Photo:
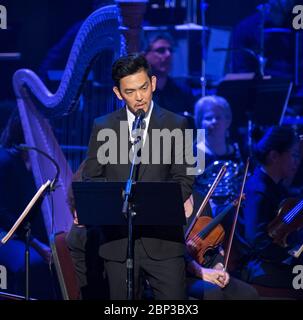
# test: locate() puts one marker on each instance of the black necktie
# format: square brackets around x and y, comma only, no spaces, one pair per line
[142,125]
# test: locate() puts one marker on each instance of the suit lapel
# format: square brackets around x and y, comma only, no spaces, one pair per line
[122,116]
[155,122]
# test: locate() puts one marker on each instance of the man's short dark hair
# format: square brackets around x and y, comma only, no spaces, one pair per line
[128,65]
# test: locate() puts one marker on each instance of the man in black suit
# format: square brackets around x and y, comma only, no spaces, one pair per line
[159,251]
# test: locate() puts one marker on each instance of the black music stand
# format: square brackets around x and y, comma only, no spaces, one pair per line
[46,187]
[149,204]
[155,203]
[255,103]
[265,99]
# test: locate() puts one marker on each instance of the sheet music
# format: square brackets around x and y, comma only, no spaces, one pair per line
[26,211]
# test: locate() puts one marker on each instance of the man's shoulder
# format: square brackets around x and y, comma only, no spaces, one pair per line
[109,118]
[171,116]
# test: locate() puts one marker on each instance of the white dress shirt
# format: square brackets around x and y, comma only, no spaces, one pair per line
[131,118]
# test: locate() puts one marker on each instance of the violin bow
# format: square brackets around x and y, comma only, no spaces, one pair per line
[230,240]
[207,197]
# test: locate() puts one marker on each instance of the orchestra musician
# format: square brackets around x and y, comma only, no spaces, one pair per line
[214,115]
[174,94]
[264,261]
[207,277]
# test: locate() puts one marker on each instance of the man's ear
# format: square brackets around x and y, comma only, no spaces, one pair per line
[154,83]
[117,93]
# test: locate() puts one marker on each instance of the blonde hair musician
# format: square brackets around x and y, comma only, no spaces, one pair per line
[213,113]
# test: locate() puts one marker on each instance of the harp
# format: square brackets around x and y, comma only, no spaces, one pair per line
[98,40]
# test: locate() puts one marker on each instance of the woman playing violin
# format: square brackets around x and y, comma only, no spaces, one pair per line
[265,262]
[208,280]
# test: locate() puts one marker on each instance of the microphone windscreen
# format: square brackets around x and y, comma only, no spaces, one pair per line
[140,113]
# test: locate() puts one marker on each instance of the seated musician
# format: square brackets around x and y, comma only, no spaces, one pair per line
[213,113]
[265,262]
[209,280]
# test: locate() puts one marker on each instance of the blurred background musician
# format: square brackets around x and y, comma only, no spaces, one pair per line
[214,115]
[175,95]
[263,261]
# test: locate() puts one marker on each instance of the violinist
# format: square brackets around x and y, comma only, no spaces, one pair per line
[209,280]
[264,261]
[214,115]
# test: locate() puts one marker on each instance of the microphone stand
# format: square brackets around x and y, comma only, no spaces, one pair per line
[27,258]
[49,186]
[129,213]
[203,50]
[263,8]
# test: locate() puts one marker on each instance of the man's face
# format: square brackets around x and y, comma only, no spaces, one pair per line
[160,56]
[136,90]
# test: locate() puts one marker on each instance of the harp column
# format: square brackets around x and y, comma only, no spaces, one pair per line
[131,18]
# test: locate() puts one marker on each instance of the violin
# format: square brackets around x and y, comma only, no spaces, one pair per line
[207,234]
[288,220]
[201,236]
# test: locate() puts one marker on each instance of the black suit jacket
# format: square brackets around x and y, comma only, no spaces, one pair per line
[159,242]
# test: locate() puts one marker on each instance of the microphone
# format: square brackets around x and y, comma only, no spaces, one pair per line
[24,147]
[139,116]
[138,124]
